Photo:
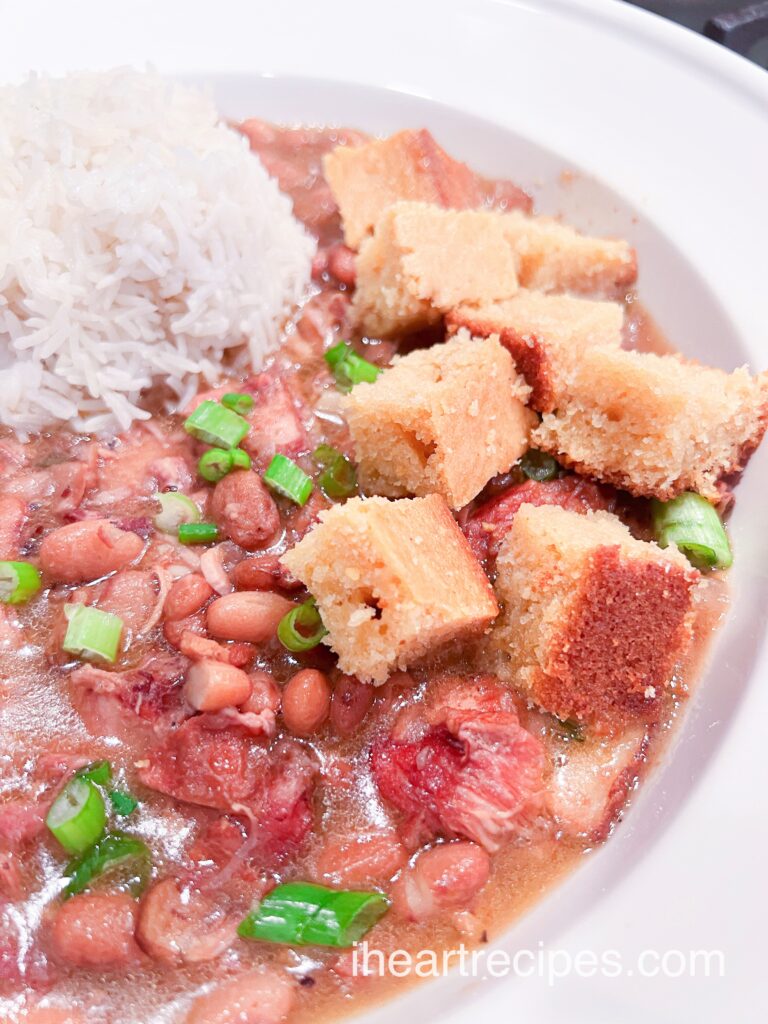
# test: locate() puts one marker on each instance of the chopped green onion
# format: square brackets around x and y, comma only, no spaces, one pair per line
[301,914]
[571,729]
[539,466]
[18,582]
[339,477]
[215,464]
[348,367]
[77,816]
[123,803]
[115,850]
[213,424]
[690,522]
[301,628]
[284,477]
[240,459]
[198,533]
[238,402]
[99,772]
[92,633]
[175,509]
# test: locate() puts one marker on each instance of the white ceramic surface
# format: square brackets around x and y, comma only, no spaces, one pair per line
[668,135]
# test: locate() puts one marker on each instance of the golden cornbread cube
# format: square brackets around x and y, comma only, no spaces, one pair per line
[423,260]
[393,580]
[410,165]
[655,425]
[443,419]
[553,257]
[594,621]
[545,334]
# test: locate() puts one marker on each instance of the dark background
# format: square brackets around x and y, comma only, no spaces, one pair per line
[695,13]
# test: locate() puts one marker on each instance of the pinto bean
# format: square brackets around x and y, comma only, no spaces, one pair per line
[251,616]
[350,703]
[306,701]
[213,685]
[95,930]
[85,551]
[342,263]
[447,877]
[263,572]
[244,509]
[180,925]
[261,997]
[186,596]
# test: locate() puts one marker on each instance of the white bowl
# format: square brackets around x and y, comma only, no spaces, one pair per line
[667,134]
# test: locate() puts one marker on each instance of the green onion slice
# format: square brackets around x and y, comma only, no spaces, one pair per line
[286,478]
[99,772]
[348,367]
[240,459]
[301,628]
[198,533]
[18,582]
[238,402]
[215,464]
[123,803]
[175,509]
[539,466]
[115,851]
[691,523]
[302,914]
[92,633]
[213,424]
[77,816]
[339,477]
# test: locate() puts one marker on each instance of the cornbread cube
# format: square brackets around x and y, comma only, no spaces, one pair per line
[594,620]
[544,333]
[443,419]
[554,257]
[655,425]
[423,261]
[392,580]
[410,165]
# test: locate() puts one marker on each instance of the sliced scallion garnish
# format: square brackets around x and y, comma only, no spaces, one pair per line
[116,850]
[240,459]
[693,525]
[302,914]
[339,477]
[99,772]
[301,628]
[18,582]
[198,533]
[91,633]
[238,402]
[348,367]
[213,424]
[539,466]
[123,803]
[215,464]
[77,816]
[286,478]
[175,509]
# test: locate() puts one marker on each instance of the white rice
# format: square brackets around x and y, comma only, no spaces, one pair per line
[139,240]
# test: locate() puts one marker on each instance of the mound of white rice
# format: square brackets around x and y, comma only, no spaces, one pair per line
[139,239]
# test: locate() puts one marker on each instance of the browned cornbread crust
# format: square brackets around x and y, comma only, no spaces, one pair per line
[366,179]
[594,621]
[440,420]
[392,581]
[655,425]
[544,334]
